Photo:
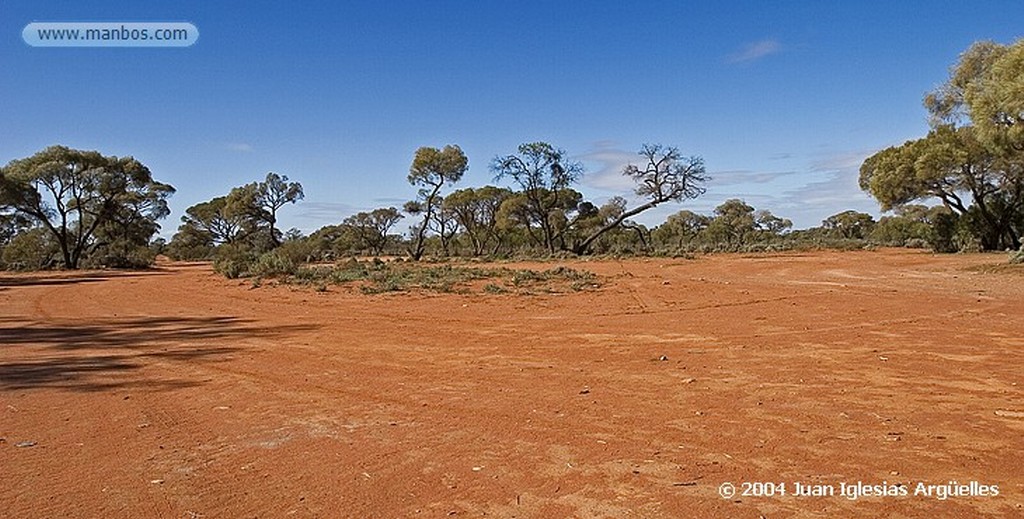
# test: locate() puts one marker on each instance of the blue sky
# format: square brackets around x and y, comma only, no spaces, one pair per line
[782,99]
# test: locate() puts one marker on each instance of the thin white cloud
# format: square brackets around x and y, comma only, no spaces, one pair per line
[755,51]
[742,177]
[242,147]
[324,213]
[611,162]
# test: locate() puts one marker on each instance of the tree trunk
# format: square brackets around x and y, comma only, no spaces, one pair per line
[585,244]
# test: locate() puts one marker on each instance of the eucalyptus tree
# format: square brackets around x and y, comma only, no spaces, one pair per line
[432,169]
[83,198]
[665,175]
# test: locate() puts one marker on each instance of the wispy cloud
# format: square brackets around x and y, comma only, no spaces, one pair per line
[611,161]
[324,212]
[755,51]
[742,177]
[242,147]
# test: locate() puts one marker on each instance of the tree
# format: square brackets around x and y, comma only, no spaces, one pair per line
[680,228]
[769,224]
[973,158]
[733,223]
[371,228]
[849,224]
[431,170]
[543,175]
[477,212]
[271,195]
[220,220]
[73,194]
[985,87]
[952,165]
[667,176]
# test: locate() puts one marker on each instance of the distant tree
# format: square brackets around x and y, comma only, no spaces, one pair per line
[849,225]
[332,241]
[666,176]
[371,228]
[769,224]
[477,212]
[271,195]
[681,228]
[734,222]
[431,170]
[220,220]
[544,175]
[78,196]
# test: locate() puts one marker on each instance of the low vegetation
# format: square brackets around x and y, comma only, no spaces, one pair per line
[378,276]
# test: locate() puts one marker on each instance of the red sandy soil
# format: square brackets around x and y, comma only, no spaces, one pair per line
[177,393]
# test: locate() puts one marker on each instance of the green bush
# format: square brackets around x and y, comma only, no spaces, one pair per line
[233,261]
[273,263]
[121,254]
[33,249]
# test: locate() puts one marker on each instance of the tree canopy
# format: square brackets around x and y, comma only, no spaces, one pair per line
[87,202]
[973,158]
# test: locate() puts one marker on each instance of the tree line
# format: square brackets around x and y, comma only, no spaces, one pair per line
[71,208]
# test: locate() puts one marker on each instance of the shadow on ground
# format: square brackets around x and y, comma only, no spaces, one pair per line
[71,277]
[110,354]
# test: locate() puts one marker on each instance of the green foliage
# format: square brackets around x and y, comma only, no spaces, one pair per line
[973,157]
[477,211]
[849,225]
[370,229]
[544,175]
[190,244]
[431,170]
[32,249]
[272,264]
[120,254]
[85,200]
[375,277]
[234,261]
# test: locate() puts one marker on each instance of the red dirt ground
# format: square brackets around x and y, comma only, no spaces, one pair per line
[177,393]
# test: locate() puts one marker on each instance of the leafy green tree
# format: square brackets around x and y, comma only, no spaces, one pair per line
[545,202]
[985,87]
[733,223]
[82,196]
[476,211]
[217,221]
[849,225]
[680,228]
[271,195]
[371,228]
[952,165]
[770,225]
[333,241]
[667,176]
[432,169]
[258,203]
[973,159]
[30,249]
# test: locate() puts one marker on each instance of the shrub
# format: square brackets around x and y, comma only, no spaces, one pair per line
[1017,257]
[233,261]
[121,254]
[33,249]
[273,263]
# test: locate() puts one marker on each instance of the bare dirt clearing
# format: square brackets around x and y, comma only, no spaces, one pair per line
[177,393]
